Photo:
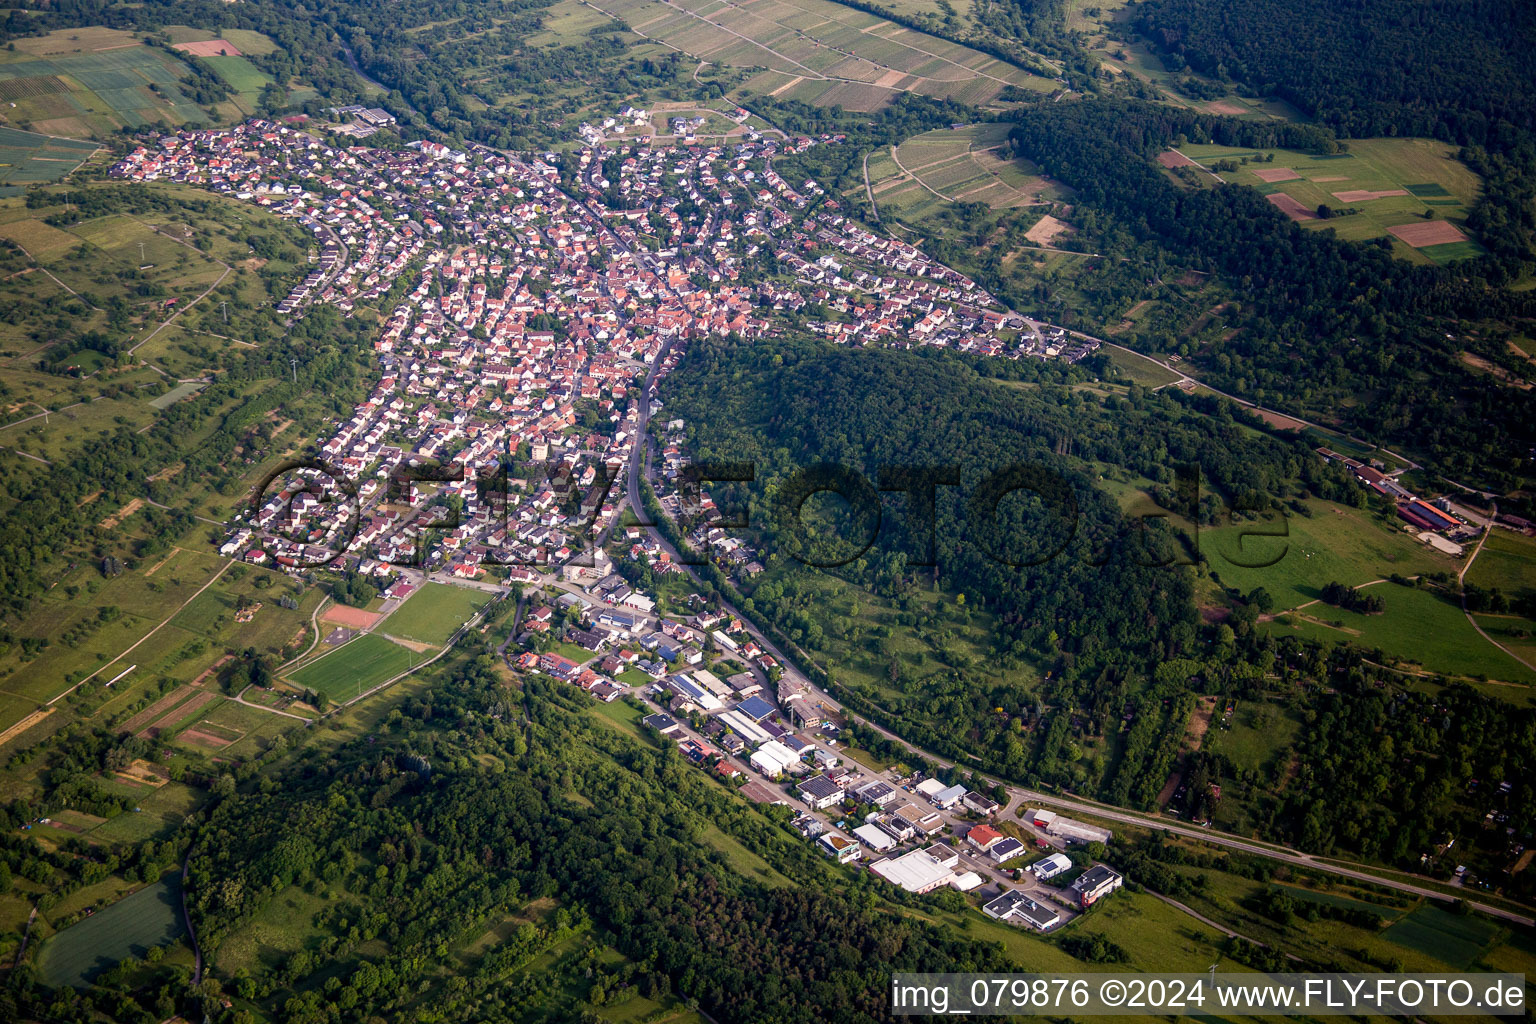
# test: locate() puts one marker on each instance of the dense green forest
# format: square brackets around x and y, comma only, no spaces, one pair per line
[1097,646]
[1075,587]
[1453,69]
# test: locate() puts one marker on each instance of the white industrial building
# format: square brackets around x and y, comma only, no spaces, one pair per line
[774,759]
[874,837]
[744,727]
[921,870]
[1055,825]
[1014,904]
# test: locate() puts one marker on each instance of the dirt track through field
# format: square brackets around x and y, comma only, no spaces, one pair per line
[23,725]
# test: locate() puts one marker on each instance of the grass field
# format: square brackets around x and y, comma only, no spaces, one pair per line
[277,931]
[431,615]
[356,667]
[150,917]
[244,78]
[820,52]
[1459,941]
[1424,170]
[1139,369]
[1424,627]
[1507,561]
[1336,544]
[1256,731]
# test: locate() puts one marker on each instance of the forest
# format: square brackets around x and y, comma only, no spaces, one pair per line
[1107,620]
[1075,587]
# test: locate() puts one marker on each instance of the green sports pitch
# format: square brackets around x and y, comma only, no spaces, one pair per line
[433,613]
[356,667]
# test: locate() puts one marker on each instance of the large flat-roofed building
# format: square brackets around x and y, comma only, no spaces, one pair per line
[774,759]
[876,792]
[818,791]
[1094,884]
[918,871]
[874,837]
[1006,849]
[1054,824]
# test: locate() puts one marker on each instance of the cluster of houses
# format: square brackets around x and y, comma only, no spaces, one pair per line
[513,322]
[694,510]
[885,292]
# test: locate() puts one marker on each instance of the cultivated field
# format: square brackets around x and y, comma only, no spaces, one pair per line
[431,615]
[971,165]
[27,158]
[355,667]
[820,52]
[245,79]
[129,927]
[83,82]
[1391,182]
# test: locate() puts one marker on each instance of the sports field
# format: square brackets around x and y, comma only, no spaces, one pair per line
[129,927]
[820,52]
[968,164]
[356,667]
[1391,182]
[27,158]
[92,82]
[431,615]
